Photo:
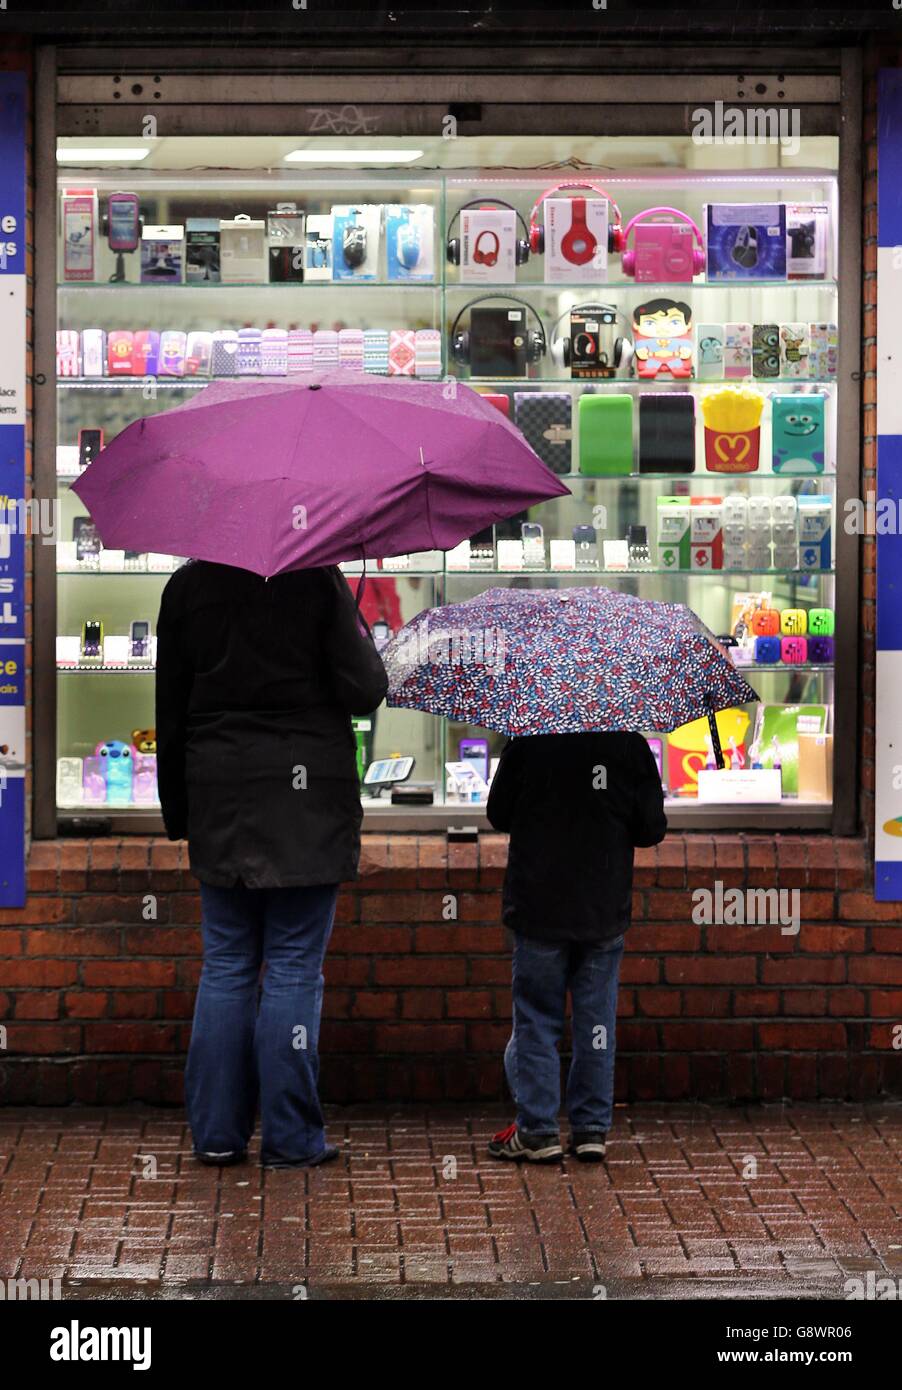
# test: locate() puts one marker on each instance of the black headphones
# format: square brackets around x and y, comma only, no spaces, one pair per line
[459,339]
[521,254]
[561,346]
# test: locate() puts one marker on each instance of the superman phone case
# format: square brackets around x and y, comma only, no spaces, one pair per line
[605,435]
[666,433]
[546,421]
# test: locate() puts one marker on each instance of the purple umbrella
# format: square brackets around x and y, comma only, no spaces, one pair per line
[278,475]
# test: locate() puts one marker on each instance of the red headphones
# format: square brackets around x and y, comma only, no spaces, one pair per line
[489,257]
[521,246]
[578,244]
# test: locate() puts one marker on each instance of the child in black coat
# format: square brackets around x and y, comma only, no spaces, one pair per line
[576,807]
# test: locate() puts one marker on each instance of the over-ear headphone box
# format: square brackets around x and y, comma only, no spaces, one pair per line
[576,240]
[746,241]
[488,246]
[595,347]
[498,340]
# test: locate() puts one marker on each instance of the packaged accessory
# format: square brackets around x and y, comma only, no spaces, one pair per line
[666,433]
[318,250]
[820,651]
[605,435]
[287,240]
[355,241]
[737,351]
[815,532]
[242,251]
[821,622]
[499,341]
[488,247]
[663,252]
[662,340]
[202,251]
[709,351]
[807,240]
[732,416]
[410,241]
[793,650]
[765,351]
[746,241]
[593,349]
[614,221]
[546,420]
[767,650]
[162,250]
[673,533]
[798,434]
[79,220]
[793,622]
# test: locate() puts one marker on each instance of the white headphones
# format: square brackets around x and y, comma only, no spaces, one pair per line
[561,346]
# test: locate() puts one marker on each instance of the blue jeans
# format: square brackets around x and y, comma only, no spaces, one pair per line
[543,971]
[240,1054]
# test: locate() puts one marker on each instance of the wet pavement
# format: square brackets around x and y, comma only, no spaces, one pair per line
[693,1201]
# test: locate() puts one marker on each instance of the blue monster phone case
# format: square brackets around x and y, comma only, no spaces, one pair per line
[798,434]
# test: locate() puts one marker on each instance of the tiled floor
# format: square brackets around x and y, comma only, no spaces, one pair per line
[768,1201]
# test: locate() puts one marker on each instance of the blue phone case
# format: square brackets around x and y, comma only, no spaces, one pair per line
[798,432]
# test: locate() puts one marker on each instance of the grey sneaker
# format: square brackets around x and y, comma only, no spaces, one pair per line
[534,1148]
[226,1159]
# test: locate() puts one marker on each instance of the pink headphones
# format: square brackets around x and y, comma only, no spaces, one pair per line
[697,254]
[579,228]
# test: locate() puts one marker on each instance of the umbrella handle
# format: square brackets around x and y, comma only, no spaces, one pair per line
[715,740]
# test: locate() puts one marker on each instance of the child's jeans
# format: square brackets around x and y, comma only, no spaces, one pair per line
[543,971]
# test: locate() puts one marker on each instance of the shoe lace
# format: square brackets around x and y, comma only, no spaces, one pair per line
[504,1134]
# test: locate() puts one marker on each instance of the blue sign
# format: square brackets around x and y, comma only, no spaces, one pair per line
[13,510]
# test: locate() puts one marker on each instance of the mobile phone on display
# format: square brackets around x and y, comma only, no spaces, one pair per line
[585,541]
[533,543]
[123,222]
[482,546]
[90,443]
[475,751]
[92,639]
[388,770]
[139,640]
[637,547]
[381,633]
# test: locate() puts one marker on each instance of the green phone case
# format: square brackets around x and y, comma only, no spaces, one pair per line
[605,435]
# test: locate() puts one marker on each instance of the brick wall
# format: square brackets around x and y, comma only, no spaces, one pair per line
[97,1001]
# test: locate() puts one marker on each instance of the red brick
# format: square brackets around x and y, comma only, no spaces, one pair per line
[136,1003]
[37,912]
[792,1036]
[130,1037]
[875,970]
[162,941]
[38,1004]
[128,972]
[11,943]
[375,1004]
[755,1002]
[862,907]
[707,970]
[805,970]
[39,973]
[422,1003]
[421,970]
[469,1003]
[73,941]
[85,1004]
[414,1037]
[708,1037]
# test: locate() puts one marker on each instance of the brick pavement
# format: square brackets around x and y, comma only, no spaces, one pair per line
[762,1201]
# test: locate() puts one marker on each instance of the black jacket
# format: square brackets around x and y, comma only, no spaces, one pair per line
[256,763]
[576,806]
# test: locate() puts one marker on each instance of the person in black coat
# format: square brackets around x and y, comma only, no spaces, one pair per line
[576,807]
[256,764]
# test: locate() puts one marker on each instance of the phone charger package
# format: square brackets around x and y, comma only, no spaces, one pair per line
[807,240]
[242,251]
[202,251]
[286,238]
[576,240]
[488,244]
[355,241]
[746,241]
[410,242]
[162,250]
[79,226]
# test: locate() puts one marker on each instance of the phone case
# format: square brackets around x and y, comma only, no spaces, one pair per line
[69,774]
[428,352]
[546,420]
[666,433]
[225,352]
[350,349]
[93,780]
[605,435]
[300,351]
[375,350]
[402,352]
[499,401]
[709,352]
[765,351]
[173,345]
[274,352]
[325,349]
[794,348]
[92,351]
[250,351]
[198,354]
[144,777]
[146,352]
[737,351]
[120,344]
[68,352]
[798,434]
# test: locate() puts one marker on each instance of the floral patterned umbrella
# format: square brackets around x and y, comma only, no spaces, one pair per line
[556,661]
